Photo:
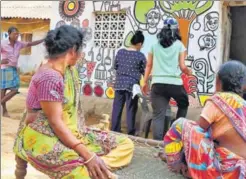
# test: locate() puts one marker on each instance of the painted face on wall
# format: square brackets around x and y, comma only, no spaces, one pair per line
[206,42]
[209,41]
[213,23]
[153,18]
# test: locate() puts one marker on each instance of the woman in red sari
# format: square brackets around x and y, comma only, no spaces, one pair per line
[214,146]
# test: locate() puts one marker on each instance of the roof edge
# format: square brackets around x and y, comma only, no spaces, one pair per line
[6,17]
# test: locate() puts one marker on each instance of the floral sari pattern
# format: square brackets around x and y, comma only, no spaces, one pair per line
[38,144]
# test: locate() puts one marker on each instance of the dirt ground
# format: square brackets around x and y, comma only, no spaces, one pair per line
[9,128]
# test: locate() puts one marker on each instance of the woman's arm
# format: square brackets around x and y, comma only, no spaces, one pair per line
[148,68]
[95,165]
[203,123]
[182,65]
[53,111]
[210,114]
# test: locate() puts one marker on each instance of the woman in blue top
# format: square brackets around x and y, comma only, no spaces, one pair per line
[166,61]
[129,65]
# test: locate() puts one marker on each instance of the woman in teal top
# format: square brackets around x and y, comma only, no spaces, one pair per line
[166,62]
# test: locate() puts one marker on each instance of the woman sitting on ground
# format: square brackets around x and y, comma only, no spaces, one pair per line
[52,138]
[215,145]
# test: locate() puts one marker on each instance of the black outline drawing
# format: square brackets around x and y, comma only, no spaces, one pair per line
[107,5]
[201,67]
[213,18]
[153,18]
[196,23]
[90,53]
[112,71]
[101,70]
[210,46]
[108,59]
[99,55]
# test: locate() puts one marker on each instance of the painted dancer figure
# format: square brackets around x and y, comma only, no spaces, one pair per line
[214,146]
[10,52]
[129,65]
[166,60]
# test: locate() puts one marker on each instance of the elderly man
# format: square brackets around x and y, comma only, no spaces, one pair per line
[10,52]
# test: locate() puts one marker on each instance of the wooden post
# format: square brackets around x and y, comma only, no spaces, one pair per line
[21,168]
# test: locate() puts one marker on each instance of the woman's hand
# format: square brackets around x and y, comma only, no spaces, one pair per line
[4,61]
[145,89]
[180,168]
[97,169]
[188,71]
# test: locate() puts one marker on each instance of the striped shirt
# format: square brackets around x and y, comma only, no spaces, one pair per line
[46,85]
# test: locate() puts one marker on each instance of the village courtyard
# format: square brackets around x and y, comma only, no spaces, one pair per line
[211,32]
[9,127]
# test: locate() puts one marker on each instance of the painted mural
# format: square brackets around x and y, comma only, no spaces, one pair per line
[109,25]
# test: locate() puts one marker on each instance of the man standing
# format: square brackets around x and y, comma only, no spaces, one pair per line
[10,52]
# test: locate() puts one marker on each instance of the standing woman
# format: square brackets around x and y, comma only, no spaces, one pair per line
[129,65]
[166,61]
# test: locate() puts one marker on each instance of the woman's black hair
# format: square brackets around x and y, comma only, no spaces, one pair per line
[60,40]
[231,74]
[168,36]
[138,37]
[12,29]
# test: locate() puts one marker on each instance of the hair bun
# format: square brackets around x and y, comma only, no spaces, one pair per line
[61,39]
[50,38]
[138,32]
[138,37]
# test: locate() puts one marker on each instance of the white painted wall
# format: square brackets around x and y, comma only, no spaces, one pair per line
[203,42]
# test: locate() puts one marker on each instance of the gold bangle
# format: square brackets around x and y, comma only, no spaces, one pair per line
[75,145]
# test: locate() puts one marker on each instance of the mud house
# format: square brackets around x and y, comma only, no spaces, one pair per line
[212,31]
[32,18]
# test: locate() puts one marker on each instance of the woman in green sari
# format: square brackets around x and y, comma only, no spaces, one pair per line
[51,137]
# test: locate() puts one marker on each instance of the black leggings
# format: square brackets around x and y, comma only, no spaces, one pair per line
[160,97]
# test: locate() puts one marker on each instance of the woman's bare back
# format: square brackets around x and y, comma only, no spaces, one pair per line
[233,142]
